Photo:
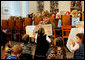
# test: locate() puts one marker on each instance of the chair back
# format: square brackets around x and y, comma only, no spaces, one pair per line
[37,20]
[82,16]
[18,24]
[4,24]
[66,20]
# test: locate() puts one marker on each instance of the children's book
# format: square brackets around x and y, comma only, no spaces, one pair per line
[75,20]
[72,35]
[30,30]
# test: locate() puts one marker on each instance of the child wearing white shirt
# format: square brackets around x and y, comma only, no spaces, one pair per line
[78,47]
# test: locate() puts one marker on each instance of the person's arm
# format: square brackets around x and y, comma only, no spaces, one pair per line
[48,39]
[41,22]
[36,38]
[75,47]
[51,55]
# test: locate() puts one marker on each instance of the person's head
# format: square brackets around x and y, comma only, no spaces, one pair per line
[58,41]
[25,38]
[46,17]
[16,50]
[41,31]
[56,10]
[4,40]
[80,38]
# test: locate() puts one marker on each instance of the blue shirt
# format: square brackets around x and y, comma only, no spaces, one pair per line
[11,57]
[79,54]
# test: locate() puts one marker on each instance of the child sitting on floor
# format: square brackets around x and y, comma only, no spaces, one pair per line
[26,46]
[78,47]
[15,53]
[58,51]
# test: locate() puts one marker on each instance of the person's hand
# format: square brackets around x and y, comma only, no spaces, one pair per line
[40,25]
[34,35]
[72,42]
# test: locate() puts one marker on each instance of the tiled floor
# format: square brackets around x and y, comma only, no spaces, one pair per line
[68,54]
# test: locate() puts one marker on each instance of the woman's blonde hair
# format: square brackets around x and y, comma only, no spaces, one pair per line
[46,14]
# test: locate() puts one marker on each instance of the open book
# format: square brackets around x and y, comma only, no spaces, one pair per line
[72,35]
[31,30]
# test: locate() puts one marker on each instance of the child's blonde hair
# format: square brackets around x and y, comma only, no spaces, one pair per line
[46,14]
[16,49]
[41,31]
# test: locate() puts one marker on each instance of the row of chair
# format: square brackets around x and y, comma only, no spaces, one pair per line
[19,25]
[64,30]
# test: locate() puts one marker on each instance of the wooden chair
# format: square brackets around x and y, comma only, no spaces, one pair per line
[37,20]
[27,21]
[11,27]
[66,26]
[57,30]
[65,31]
[52,19]
[18,28]
[82,16]
[4,24]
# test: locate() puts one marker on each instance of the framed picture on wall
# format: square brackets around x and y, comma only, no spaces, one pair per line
[5,10]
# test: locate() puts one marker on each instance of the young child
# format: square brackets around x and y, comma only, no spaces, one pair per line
[26,46]
[58,51]
[79,47]
[16,52]
[42,41]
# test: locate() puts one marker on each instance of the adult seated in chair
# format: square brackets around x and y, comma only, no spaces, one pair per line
[46,20]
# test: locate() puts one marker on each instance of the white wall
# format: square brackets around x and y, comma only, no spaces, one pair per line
[47,5]
[16,8]
[32,7]
[13,6]
[24,8]
[82,5]
[64,5]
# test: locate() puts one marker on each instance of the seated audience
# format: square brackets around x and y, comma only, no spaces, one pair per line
[16,52]
[58,50]
[78,47]
[42,41]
